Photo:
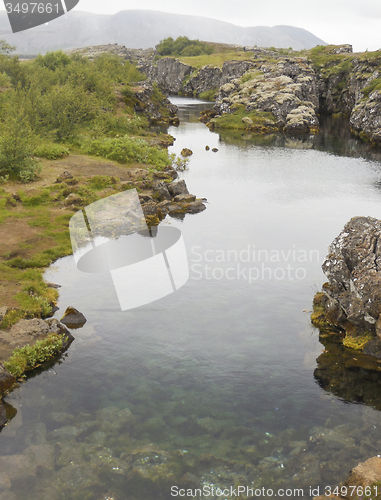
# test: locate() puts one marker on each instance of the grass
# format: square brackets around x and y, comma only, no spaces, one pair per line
[233,121]
[30,357]
[217,59]
[41,231]
[208,95]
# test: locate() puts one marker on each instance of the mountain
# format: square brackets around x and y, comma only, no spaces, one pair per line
[143,29]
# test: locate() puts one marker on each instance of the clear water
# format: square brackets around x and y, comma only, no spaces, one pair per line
[219,376]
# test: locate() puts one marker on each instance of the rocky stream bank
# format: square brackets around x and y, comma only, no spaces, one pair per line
[276,91]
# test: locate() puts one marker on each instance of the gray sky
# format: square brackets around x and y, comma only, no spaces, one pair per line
[334,21]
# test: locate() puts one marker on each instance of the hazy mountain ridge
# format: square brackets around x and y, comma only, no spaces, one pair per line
[143,29]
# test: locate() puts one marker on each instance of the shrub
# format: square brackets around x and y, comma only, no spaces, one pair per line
[50,150]
[127,150]
[183,46]
[29,357]
[16,147]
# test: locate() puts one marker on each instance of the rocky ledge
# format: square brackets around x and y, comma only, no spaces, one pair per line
[28,332]
[349,306]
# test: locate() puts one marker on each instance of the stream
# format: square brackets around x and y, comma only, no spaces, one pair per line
[213,385]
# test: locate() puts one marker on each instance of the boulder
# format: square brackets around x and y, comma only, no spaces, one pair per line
[73,318]
[195,207]
[177,188]
[364,474]
[6,379]
[161,191]
[186,152]
[184,198]
[353,269]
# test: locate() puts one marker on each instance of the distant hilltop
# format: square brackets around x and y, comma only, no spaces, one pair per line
[144,29]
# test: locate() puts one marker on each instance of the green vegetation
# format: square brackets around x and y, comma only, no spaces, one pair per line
[182,46]
[217,59]
[56,99]
[30,357]
[50,108]
[208,95]
[126,150]
[260,120]
[358,342]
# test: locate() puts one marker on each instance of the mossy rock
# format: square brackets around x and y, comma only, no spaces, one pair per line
[358,343]
[73,318]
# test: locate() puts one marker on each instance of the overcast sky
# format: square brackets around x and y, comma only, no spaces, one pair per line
[334,21]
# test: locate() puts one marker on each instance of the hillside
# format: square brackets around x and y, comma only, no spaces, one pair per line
[143,29]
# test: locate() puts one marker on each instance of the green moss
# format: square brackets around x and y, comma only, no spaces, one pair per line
[208,95]
[30,357]
[318,316]
[358,342]
[261,120]
[374,85]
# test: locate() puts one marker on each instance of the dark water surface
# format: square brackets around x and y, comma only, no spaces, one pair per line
[219,376]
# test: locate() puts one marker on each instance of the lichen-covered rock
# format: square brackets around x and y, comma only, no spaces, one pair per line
[351,299]
[365,118]
[286,90]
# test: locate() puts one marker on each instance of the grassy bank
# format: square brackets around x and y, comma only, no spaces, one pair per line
[64,113]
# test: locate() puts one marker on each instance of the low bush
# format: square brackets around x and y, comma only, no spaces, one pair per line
[29,357]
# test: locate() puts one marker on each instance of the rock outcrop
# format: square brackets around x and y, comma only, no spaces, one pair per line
[350,302]
[145,100]
[174,199]
[169,74]
[362,481]
[29,331]
[286,89]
